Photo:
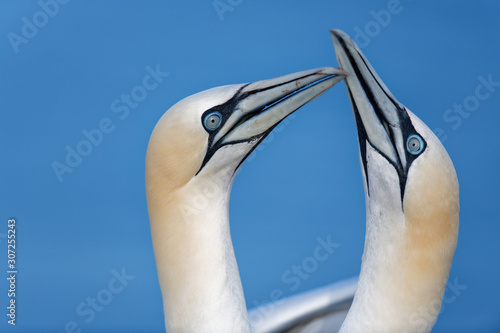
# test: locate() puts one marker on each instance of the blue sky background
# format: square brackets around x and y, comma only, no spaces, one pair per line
[304,182]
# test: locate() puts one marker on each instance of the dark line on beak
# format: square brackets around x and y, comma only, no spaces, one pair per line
[212,148]
[398,165]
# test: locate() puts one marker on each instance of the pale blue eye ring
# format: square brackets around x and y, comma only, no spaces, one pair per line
[414,144]
[212,121]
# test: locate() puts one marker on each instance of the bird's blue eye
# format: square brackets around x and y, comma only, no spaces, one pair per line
[414,144]
[212,121]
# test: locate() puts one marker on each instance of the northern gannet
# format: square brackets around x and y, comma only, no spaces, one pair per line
[412,213]
[412,207]
[193,155]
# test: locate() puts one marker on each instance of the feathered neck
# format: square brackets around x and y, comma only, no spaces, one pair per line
[197,269]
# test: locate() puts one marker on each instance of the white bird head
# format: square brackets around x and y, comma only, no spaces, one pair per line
[412,201]
[215,130]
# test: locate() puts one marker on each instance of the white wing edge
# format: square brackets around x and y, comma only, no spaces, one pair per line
[294,310]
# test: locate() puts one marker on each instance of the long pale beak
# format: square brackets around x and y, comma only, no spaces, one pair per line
[264,104]
[258,107]
[382,121]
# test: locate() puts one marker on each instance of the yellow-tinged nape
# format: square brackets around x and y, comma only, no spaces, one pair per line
[178,146]
[431,201]
[178,143]
[174,153]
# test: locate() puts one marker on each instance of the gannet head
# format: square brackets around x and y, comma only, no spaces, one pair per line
[411,193]
[215,130]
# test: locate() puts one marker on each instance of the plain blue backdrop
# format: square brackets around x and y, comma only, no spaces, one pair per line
[65,69]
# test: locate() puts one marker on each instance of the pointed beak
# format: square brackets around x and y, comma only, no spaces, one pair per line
[380,117]
[257,108]
[382,121]
[262,105]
